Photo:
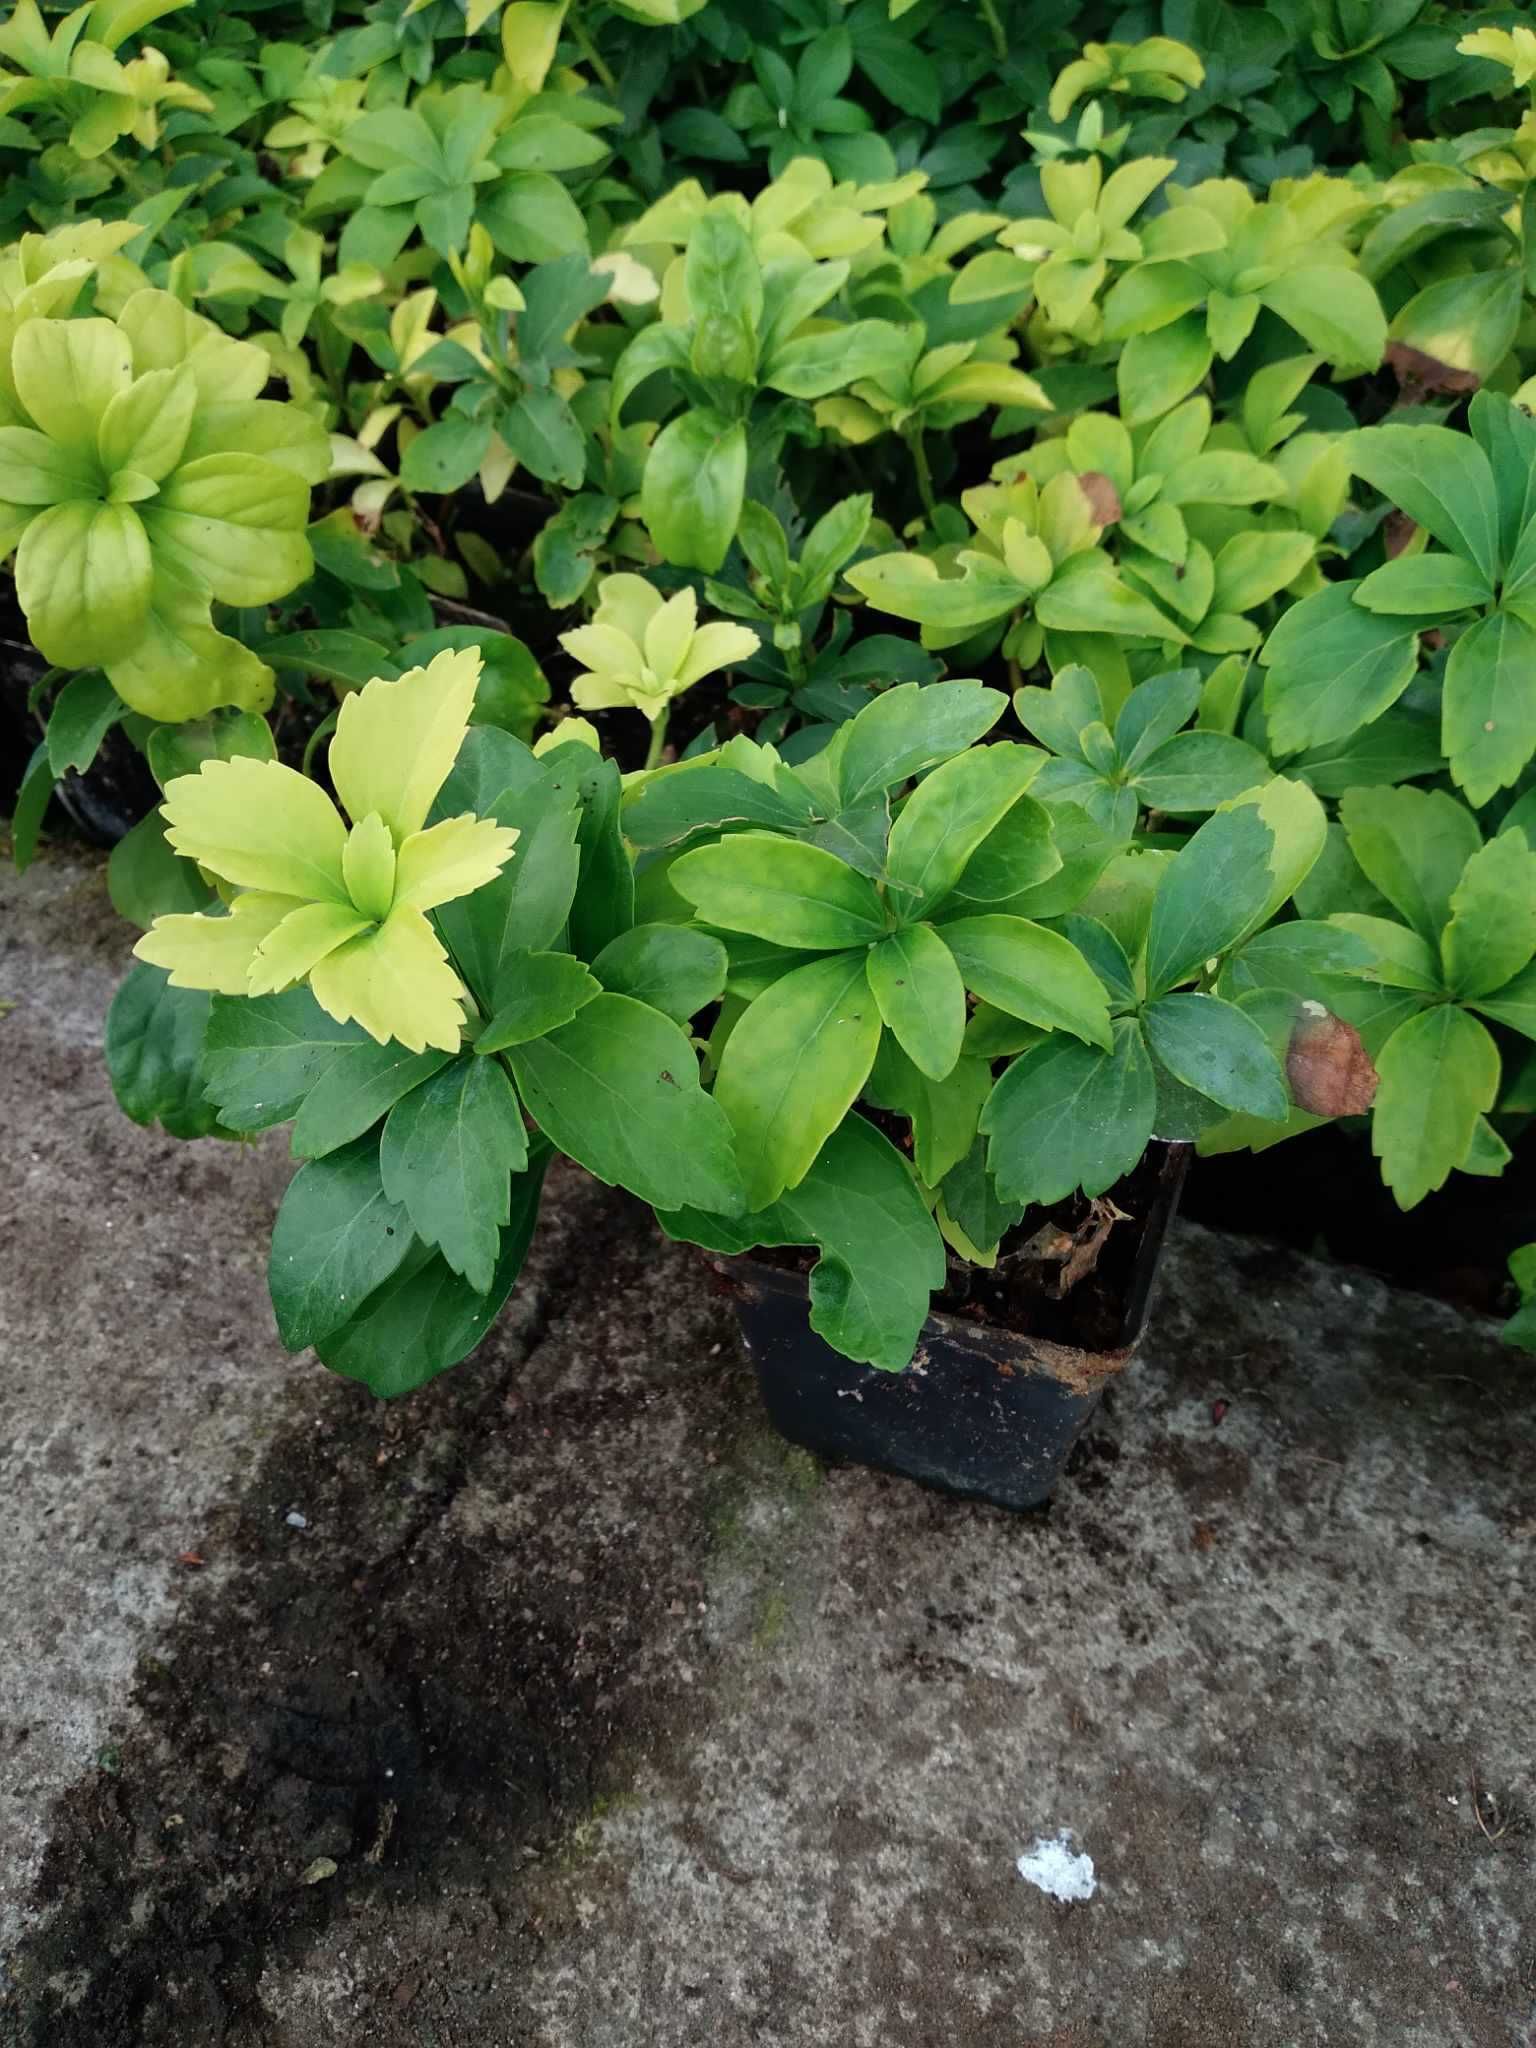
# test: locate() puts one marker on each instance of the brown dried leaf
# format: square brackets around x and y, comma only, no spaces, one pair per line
[1103,498]
[1418,371]
[1327,1065]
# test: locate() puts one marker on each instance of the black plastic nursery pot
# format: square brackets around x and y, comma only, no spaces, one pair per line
[1003,1381]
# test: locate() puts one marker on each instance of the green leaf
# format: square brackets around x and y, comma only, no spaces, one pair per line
[1253,567]
[604,904]
[1031,973]
[327,653]
[173,750]
[1467,322]
[617,1089]
[1395,956]
[525,909]
[948,816]
[667,808]
[555,297]
[445,456]
[1152,714]
[1105,955]
[447,1156]
[905,731]
[969,1203]
[425,1318]
[1440,479]
[32,801]
[815,365]
[1488,724]
[1196,771]
[1018,853]
[921,997]
[146,879]
[1425,586]
[270,1058]
[792,1068]
[1412,844]
[881,1254]
[721,272]
[1333,667]
[355,1087]
[84,712]
[531,217]
[540,992]
[1439,1073]
[830,545]
[942,1114]
[1335,311]
[691,494]
[1214,888]
[1218,1050]
[337,1237]
[1156,370]
[1396,748]
[1068,1116]
[1514,1004]
[544,434]
[674,968]
[154,1050]
[782,890]
[1492,932]
[1506,433]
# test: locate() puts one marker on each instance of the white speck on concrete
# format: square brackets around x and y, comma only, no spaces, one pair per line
[1054,1867]
[295,1520]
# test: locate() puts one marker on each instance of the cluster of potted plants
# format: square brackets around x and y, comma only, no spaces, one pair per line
[871,624]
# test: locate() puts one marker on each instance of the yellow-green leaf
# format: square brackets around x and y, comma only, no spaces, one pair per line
[397,739]
[260,825]
[396,982]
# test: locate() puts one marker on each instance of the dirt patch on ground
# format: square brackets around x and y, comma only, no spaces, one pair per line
[381,1700]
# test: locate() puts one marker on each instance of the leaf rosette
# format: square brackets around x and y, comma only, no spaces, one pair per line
[141,479]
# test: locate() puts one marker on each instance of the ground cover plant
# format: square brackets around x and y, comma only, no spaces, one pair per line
[842,615]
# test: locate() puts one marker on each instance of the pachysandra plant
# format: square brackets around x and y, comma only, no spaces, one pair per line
[341,910]
[1456,956]
[749,329]
[642,651]
[1036,552]
[141,477]
[1221,259]
[1340,659]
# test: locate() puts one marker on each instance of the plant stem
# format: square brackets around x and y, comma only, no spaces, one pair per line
[658,737]
[322,731]
[589,50]
[994,22]
[914,440]
[130,177]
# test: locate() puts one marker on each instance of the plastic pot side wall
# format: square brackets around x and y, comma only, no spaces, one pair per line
[983,1412]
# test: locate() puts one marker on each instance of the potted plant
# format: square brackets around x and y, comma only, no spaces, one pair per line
[885,1017]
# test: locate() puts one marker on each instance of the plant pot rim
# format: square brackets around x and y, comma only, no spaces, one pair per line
[1009,1351]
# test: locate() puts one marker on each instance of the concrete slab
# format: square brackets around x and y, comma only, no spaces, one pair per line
[580,1712]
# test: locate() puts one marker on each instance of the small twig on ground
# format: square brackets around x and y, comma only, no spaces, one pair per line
[1477,1808]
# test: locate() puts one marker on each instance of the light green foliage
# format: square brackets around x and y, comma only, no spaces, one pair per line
[141,476]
